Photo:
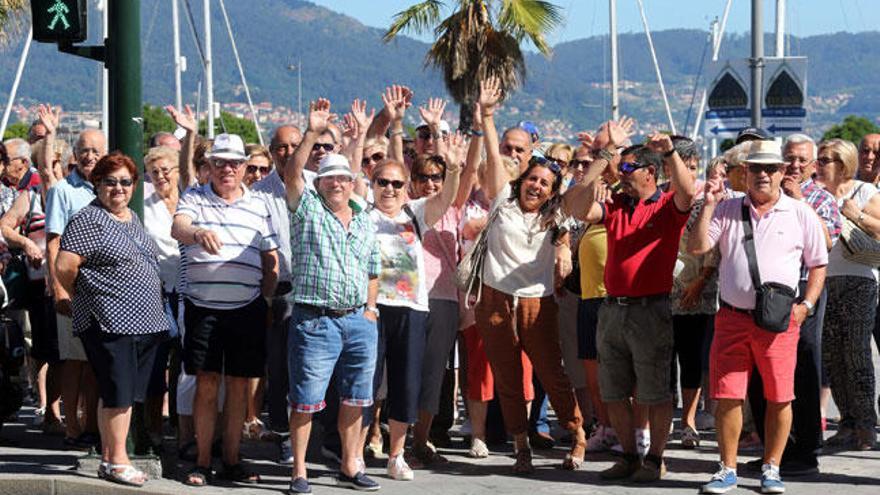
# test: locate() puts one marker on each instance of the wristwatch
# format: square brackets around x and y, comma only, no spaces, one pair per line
[810,308]
[373,309]
[606,155]
[669,153]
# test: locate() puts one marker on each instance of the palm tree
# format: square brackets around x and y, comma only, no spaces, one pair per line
[481,38]
[11,18]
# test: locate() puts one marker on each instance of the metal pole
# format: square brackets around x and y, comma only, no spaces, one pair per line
[209,71]
[757,60]
[247,91]
[717,36]
[780,28]
[124,64]
[657,68]
[16,81]
[612,19]
[175,22]
[105,76]
[299,87]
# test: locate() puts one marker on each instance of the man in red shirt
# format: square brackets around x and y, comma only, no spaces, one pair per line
[634,336]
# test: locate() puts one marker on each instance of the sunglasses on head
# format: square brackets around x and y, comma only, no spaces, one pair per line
[252,169]
[429,177]
[375,157]
[553,165]
[396,184]
[328,147]
[630,167]
[113,182]
[767,168]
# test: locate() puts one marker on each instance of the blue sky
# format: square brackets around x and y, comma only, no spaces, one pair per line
[586,18]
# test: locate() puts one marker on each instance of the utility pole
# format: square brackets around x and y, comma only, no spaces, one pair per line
[175,22]
[21,61]
[780,28]
[612,19]
[757,60]
[105,76]
[209,70]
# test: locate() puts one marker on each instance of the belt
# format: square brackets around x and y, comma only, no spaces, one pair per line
[635,301]
[333,313]
[283,289]
[734,308]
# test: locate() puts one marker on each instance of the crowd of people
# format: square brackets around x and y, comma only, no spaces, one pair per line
[355,275]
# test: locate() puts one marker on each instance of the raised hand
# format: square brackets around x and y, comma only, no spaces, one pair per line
[433,112]
[396,100]
[49,117]
[490,94]
[627,124]
[586,139]
[350,127]
[320,117]
[714,191]
[185,119]
[659,143]
[456,151]
[477,123]
[359,113]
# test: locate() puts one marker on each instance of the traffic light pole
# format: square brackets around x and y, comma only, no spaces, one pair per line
[121,54]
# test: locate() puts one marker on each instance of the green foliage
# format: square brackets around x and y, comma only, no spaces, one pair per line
[16,130]
[852,129]
[245,128]
[726,145]
[156,120]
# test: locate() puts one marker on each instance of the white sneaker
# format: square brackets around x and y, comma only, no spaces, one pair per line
[398,469]
[643,441]
[39,416]
[596,442]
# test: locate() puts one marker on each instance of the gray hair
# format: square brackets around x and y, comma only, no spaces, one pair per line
[795,139]
[734,157]
[162,153]
[21,148]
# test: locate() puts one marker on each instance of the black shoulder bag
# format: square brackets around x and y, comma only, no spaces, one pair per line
[773,301]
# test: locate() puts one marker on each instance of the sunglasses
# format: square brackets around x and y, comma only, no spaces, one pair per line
[429,177]
[396,184]
[375,157]
[252,169]
[767,168]
[328,147]
[553,165]
[113,182]
[562,163]
[425,134]
[221,163]
[579,164]
[630,167]
[825,160]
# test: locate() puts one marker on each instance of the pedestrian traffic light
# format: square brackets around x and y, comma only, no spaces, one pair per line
[59,21]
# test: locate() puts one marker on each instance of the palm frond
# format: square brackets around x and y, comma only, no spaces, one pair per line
[418,19]
[531,19]
[13,19]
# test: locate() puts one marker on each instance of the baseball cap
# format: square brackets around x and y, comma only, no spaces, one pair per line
[531,128]
[227,147]
[444,126]
[752,134]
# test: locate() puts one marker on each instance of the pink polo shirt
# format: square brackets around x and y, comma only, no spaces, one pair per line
[787,235]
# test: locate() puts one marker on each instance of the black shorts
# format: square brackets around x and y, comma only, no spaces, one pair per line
[228,341]
[44,331]
[587,323]
[122,364]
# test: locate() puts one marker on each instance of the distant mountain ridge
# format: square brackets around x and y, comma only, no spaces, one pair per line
[343,59]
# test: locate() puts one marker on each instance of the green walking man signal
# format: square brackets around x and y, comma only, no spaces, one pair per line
[59,21]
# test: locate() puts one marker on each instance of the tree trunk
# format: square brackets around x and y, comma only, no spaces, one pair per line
[466,116]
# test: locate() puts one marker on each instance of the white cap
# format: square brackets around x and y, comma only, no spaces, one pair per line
[334,164]
[444,126]
[227,147]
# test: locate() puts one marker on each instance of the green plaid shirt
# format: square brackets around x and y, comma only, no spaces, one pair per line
[331,266]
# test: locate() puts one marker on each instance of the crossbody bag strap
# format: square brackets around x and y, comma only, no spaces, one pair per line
[23,228]
[749,245]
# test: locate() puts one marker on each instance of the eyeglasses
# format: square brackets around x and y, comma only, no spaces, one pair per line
[396,184]
[579,164]
[551,164]
[252,169]
[113,182]
[429,177]
[796,159]
[328,147]
[825,160]
[375,157]
[221,163]
[767,168]
[627,168]
[156,172]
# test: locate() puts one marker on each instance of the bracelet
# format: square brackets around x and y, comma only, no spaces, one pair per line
[476,133]
[399,132]
[669,153]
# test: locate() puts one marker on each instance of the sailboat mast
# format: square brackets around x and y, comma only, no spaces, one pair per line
[615,97]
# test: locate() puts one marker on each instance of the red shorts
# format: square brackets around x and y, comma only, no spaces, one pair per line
[480,382]
[739,346]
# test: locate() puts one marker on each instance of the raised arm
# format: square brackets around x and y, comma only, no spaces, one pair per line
[320,119]
[699,242]
[432,114]
[580,201]
[187,121]
[470,171]
[396,100]
[496,177]
[437,205]
[50,119]
[682,180]
[356,123]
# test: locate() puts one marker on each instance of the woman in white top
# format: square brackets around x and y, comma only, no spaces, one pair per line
[852,301]
[403,294]
[527,258]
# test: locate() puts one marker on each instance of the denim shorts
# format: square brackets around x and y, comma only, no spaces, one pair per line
[318,345]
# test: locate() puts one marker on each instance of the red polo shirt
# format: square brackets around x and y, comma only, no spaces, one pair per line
[643,240]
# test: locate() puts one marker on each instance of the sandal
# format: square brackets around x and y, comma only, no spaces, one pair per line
[125,474]
[199,476]
[102,469]
[238,474]
[575,457]
[523,464]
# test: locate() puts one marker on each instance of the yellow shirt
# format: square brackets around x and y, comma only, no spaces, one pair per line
[592,252]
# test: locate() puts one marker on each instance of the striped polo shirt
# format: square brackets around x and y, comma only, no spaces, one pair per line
[232,278]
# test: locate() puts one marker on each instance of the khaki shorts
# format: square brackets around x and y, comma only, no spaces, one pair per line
[635,351]
[69,345]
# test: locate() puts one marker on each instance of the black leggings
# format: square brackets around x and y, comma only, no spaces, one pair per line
[689,332]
